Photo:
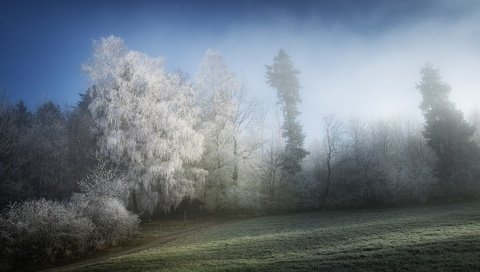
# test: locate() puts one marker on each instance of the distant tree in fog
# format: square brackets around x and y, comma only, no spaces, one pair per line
[227,115]
[448,134]
[282,76]
[216,86]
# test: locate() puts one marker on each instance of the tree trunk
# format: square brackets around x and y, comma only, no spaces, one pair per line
[329,176]
[235,163]
[205,193]
[134,201]
[272,189]
[185,216]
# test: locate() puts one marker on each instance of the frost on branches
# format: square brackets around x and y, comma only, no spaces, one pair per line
[147,119]
[227,116]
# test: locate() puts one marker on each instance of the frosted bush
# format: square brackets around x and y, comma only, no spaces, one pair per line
[104,181]
[113,223]
[101,201]
[42,231]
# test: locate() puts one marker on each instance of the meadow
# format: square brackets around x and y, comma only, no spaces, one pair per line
[425,238]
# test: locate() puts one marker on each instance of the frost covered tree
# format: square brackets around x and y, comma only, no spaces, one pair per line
[147,118]
[215,85]
[282,76]
[227,116]
[448,135]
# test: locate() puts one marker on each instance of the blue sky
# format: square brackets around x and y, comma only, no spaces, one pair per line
[354,56]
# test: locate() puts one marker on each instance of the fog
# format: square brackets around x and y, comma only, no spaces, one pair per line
[350,74]
[366,65]
[355,59]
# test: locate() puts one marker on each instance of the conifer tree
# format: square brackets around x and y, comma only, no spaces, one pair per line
[282,76]
[448,135]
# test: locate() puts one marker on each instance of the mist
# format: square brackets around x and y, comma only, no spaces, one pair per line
[365,63]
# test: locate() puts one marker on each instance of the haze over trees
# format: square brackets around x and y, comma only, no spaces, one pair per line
[145,142]
[228,117]
[449,136]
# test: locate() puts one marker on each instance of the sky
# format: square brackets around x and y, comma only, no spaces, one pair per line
[356,58]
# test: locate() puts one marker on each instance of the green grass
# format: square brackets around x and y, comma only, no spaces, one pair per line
[433,238]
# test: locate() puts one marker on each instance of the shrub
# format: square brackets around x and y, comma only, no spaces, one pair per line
[113,223]
[104,181]
[101,200]
[42,231]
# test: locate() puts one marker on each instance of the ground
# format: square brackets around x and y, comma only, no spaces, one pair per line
[427,238]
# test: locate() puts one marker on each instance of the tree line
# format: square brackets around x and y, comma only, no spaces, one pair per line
[208,142]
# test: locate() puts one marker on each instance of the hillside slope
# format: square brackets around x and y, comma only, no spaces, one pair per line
[404,239]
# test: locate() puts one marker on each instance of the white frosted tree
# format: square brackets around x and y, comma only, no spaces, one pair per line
[147,120]
[214,83]
[227,115]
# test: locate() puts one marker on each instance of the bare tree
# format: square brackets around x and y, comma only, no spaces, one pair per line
[271,166]
[243,119]
[333,130]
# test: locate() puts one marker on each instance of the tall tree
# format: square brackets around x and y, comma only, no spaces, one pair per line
[146,118]
[448,135]
[227,115]
[82,138]
[49,139]
[17,178]
[282,76]
[216,86]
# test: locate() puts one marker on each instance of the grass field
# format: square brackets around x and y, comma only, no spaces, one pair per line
[433,238]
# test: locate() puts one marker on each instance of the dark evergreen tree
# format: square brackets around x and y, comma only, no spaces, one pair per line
[282,76]
[82,138]
[50,149]
[448,135]
[15,122]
